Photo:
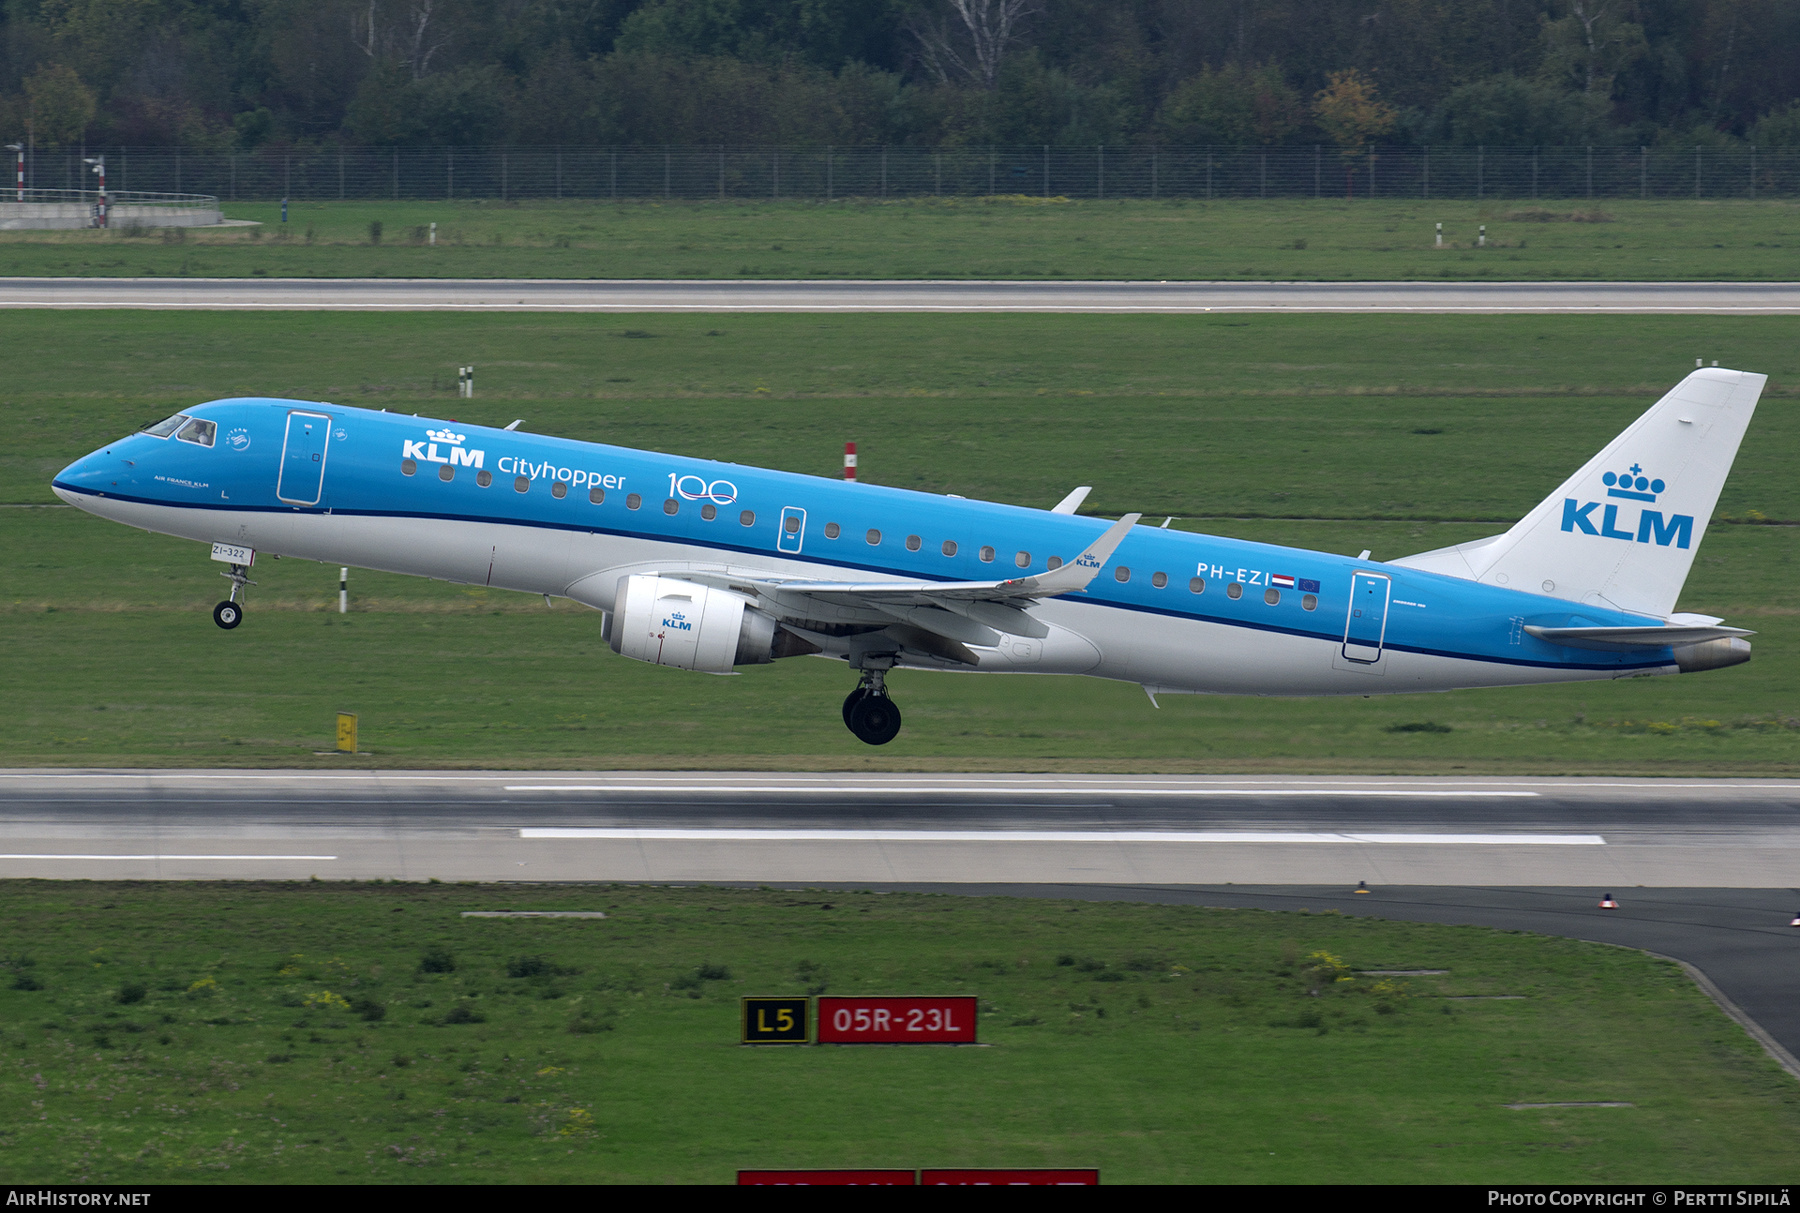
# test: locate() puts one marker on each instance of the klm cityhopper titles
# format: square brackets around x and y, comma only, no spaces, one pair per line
[710,566]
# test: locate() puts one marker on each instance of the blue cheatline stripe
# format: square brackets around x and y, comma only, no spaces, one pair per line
[591,529]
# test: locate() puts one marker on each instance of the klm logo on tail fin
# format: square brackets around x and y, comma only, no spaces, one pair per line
[1652,527]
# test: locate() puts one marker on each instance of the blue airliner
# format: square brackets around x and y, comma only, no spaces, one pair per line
[710,566]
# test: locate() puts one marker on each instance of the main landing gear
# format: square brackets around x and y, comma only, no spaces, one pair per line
[230,613]
[869,713]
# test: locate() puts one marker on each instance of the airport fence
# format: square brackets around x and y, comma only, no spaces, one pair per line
[1096,172]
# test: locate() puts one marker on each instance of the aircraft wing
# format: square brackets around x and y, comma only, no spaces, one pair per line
[938,619]
[1623,639]
[1070,578]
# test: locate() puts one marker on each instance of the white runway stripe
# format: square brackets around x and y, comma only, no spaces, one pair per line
[629,834]
[967,790]
[155,857]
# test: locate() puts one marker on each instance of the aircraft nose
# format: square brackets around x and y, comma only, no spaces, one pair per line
[95,473]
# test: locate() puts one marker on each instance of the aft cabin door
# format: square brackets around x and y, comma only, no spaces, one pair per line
[1366,625]
[303,459]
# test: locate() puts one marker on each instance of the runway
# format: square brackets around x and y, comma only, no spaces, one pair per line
[1703,869]
[564,295]
[788,828]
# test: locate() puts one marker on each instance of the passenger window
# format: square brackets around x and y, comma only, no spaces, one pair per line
[1121,574]
[1271,596]
[1023,560]
[671,505]
[791,524]
[198,432]
[949,547]
[408,467]
[484,478]
[747,518]
[1054,563]
[1309,602]
[1159,580]
[446,472]
[1234,590]
[709,511]
[521,484]
[874,537]
[633,501]
[167,426]
[596,495]
[832,531]
[987,555]
[558,489]
[912,543]
[1197,585]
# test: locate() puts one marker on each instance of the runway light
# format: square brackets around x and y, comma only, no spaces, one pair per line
[1607,903]
[1362,886]
[1796,922]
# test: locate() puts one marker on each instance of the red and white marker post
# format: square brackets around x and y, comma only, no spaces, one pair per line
[850,461]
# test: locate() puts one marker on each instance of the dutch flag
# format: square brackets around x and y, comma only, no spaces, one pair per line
[1282,580]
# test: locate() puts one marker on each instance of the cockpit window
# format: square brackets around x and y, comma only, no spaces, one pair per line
[198,431]
[163,429]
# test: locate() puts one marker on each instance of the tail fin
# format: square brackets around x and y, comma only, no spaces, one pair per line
[1622,532]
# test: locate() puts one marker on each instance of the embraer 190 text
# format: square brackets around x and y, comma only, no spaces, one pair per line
[709,566]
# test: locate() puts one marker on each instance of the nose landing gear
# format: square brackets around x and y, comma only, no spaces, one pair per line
[230,613]
[869,713]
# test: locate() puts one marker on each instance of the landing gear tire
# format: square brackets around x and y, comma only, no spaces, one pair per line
[228,615]
[850,701]
[874,719]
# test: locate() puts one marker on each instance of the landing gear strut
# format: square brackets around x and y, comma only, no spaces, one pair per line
[869,712]
[230,613]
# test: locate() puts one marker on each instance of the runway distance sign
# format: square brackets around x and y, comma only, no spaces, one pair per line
[801,1179]
[1012,1177]
[897,1021]
[775,1021]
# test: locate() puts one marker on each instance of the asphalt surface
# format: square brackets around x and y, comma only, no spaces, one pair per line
[562,295]
[1703,870]
[908,828]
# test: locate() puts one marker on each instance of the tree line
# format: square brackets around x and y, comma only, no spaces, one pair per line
[238,74]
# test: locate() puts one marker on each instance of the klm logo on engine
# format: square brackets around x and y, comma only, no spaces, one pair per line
[427,450]
[676,621]
[1652,527]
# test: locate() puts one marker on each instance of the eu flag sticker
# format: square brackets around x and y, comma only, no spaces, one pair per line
[1308,587]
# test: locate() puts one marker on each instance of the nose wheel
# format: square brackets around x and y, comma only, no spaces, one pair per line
[230,613]
[869,713]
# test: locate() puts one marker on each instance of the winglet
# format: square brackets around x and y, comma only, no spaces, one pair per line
[1071,503]
[1076,574]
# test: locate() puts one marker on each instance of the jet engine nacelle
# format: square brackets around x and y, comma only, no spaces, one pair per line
[668,621]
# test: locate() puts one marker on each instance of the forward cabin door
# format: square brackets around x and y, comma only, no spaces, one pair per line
[1366,625]
[302,480]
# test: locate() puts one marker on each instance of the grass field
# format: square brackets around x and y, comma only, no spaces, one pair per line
[953,238]
[291,1034]
[1297,430]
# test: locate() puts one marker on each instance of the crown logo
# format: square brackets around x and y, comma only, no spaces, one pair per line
[1632,485]
[450,436]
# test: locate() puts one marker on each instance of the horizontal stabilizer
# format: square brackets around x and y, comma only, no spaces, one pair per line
[1071,503]
[1615,640]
